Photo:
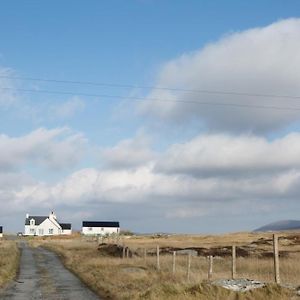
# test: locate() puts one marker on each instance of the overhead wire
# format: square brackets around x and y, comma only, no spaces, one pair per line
[204,91]
[144,99]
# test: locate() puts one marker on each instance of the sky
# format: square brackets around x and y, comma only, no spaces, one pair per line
[168,116]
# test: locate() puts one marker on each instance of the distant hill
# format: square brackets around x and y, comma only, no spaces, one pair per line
[281,225]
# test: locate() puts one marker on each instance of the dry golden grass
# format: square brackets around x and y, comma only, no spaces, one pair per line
[238,239]
[137,278]
[9,261]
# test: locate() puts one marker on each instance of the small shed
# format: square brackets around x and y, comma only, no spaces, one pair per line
[66,228]
[100,227]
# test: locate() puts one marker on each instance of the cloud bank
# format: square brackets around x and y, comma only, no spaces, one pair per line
[206,176]
[258,61]
[54,149]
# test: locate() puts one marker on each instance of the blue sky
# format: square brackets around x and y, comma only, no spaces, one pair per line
[144,156]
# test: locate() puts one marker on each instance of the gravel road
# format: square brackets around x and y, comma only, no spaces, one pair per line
[43,276]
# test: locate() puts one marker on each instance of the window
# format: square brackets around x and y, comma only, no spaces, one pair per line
[90,228]
[32,230]
[32,222]
[50,230]
[102,229]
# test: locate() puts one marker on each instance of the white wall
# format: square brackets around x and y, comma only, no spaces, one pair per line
[27,230]
[49,228]
[100,230]
[1,235]
[45,228]
[66,231]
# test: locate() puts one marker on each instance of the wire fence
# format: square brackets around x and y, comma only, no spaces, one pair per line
[266,263]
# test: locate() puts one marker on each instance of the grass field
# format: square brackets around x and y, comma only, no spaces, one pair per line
[9,261]
[137,278]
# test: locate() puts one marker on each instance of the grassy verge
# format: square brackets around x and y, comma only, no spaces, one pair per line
[9,261]
[135,278]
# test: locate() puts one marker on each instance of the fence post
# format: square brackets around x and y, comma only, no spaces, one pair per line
[233,271]
[174,262]
[276,258]
[123,254]
[210,267]
[145,254]
[127,252]
[189,267]
[157,258]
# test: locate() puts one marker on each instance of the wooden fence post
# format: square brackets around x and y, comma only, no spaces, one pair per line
[124,250]
[174,262]
[233,270]
[276,258]
[210,267]
[189,267]
[127,252]
[157,258]
[145,254]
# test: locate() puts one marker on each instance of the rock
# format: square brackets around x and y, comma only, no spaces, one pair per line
[186,252]
[239,285]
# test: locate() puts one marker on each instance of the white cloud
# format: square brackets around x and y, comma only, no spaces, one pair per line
[265,176]
[128,153]
[259,61]
[55,149]
[181,196]
[228,155]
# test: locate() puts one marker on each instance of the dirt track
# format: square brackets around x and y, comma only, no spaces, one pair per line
[43,276]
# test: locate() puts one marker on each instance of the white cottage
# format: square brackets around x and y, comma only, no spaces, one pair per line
[100,228]
[1,231]
[45,225]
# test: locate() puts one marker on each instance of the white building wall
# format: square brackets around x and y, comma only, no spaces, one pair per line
[66,231]
[100,230]
[28,231]
[1,235]
[49,228]
[45,228]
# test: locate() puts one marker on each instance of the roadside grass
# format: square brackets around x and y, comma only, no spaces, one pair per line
[137,278]
[9,261]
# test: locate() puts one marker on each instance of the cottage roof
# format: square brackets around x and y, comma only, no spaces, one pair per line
[38,219]
[100,224]
[65,226]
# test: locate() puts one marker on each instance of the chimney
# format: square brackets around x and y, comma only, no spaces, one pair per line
[52,215]
[27,216]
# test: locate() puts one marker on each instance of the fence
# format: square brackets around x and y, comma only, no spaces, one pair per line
[192,267]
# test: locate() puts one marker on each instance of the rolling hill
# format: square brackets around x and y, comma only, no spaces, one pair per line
[280,225]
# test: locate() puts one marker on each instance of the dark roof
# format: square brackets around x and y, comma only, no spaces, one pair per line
[38,219]
[66,226]
[1,229]
[100,224]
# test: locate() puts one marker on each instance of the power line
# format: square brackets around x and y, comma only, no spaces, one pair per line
[217,92]
[140,99]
